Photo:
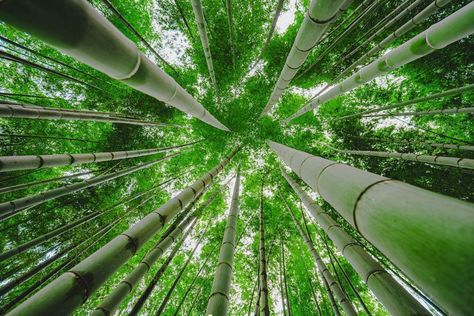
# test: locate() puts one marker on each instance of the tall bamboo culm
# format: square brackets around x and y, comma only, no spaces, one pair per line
[67,293]
[451,29]
[409,225]
[14,163]
[264,306]
[319,16]
[388,291]
[334,286]
[218,303]
[99,44]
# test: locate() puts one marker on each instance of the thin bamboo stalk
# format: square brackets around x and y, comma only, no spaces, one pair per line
[398,219]
[202,27]
[183,17]
[448,93]
[13,163]
[13,207]
[451,146]
[218,303]
[464,163]
[342,299]
[64,294]
[423,113]
[112,301]
[264,306]
[285,279]
[438,36]
[146,293]
[315,298]
[61,23]
[282,288]
[7,56]
[46,137]
[317,19]
[68,227]
[47,113]
[47,57]
[228,5]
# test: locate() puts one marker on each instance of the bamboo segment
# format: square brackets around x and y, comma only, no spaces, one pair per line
[450,146]
[146,293]
[11,208]
[464,163]
[110,303]
[202,27]
[14,163]
[449,30]
[316,21]
[10,110]
[431,112]
[65,294]
[228,5]
[342,299]
[219,300]
[407,224]
[78,30]
[451,92]
[264,307]
[390,293]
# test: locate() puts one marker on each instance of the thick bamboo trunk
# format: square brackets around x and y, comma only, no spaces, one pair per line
[402,30]
[112,301]
[202,28]
[438,36]
[409,225]
[348,30]
[64,294]
[451,92]
[11,208]
[68,227]
[146,293]
[264,306]
[316,21]
[10,110]
[463,163]
[13,163]
[137,34]
[342,299]
[423,113]
[78,30]
[218,303]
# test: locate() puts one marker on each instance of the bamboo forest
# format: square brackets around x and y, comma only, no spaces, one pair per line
[236,157]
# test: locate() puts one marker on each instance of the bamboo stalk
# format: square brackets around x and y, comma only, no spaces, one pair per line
[13,207]
[464,163]
[438,36]
[46,137]
[47,113]
[342,299]
[423,113]
[264,306]
[113,300]
[448,93]
[228,5]
[400,220]
[14,163]
[183,17]
[218,303]
[61,22]
[317,19]
[202,27]
[117,13]
[64,295]
[68,227]
[146,293]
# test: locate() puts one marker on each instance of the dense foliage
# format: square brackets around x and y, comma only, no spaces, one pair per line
[242,91]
